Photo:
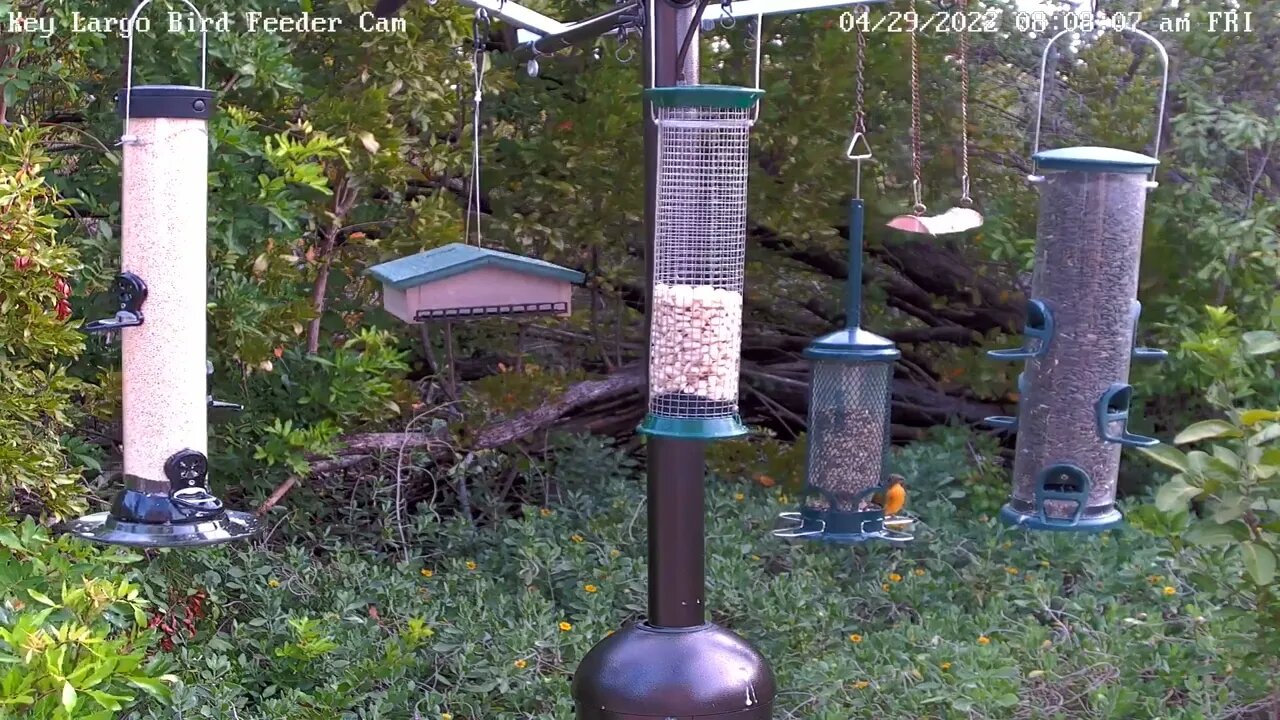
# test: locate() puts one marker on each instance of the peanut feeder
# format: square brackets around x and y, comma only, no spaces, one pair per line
[698,262]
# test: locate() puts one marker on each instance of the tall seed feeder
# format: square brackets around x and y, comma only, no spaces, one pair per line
[161,319]
[698,260]
[1081,330]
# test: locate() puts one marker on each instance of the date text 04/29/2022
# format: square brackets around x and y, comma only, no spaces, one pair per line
[990,20]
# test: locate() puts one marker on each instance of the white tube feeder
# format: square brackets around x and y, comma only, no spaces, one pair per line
[166,501]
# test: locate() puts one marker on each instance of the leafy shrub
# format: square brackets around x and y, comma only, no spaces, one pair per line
[74,635]
[36,342]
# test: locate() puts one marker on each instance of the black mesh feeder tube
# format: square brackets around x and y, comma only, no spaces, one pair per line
[160,317]
[1082,318]
[849,424]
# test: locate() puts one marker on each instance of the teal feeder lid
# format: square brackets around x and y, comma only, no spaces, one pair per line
[709,96]
[1095,159]
[852,345]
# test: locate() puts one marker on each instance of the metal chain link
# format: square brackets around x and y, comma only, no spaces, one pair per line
[917,185]
[480,29]
[860,107]
[965,200]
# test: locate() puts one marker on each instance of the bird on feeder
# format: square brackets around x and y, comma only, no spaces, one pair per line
[894,497]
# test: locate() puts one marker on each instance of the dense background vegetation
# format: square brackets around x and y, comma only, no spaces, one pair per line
[432,549]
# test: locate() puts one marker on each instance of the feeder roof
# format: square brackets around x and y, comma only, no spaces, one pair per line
[1095,159]
[852,345]
[457,258]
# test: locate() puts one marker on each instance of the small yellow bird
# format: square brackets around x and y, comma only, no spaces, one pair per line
[894,497]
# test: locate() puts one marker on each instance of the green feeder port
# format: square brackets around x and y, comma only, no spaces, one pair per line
[850,390]
[695,335]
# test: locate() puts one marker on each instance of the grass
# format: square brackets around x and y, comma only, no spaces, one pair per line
[971,621]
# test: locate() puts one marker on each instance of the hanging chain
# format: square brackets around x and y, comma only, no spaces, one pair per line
[856,153]
[917,185]
[479,37]
[965,200]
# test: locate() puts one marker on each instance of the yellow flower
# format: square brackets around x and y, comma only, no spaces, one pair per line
[945,666]
[545,512]
[446,716]
[1044,563]
[590,588]
[272,582]
[1011,570]
[471,564]
[1046,644]
[615,553]
[1168,590]
[565,627]
[1154,579]
[520,664]
[855,638]
[895,577]
[918,572]
[576,537]
[739,497]
[755,558]
[608,633]
[984,640]
[885,587]
[861,685]
[427,572]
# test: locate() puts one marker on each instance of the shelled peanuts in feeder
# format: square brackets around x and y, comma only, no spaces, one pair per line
[696,336]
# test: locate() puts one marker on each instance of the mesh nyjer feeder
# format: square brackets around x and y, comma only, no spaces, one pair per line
[699,259]
[1081,333]
[161,319]
[850,391]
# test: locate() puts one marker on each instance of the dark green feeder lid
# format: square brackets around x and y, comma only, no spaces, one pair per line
[691,96]
[852,345]
[1095,159]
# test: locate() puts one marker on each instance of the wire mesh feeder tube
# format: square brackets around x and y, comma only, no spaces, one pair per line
[1074,400]
[698,263]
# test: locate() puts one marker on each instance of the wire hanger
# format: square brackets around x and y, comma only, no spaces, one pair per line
[480,34]
[962,217]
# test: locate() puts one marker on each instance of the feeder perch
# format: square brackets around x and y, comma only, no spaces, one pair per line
[849,420]
[460,281]
[698,260]
[166,501]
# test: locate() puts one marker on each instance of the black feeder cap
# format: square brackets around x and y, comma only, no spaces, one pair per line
[649,673]
[181,102]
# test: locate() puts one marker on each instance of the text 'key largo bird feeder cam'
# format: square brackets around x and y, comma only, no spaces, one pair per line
[1081,331]
[161,292]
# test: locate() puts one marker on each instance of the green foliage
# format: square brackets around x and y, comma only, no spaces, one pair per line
[1234,481]
[971,621]
[74,634]
[36,341]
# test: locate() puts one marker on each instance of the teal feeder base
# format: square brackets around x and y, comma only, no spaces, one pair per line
[1032,520]
[839,527]
[712,428]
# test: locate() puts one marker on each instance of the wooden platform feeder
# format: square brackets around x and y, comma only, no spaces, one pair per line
[464,281]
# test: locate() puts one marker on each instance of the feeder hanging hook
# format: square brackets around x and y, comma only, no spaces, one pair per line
[125,137]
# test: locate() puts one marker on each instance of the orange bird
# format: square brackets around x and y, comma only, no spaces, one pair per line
[894,497]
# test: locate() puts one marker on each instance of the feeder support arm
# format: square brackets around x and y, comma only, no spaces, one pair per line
[853,286]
